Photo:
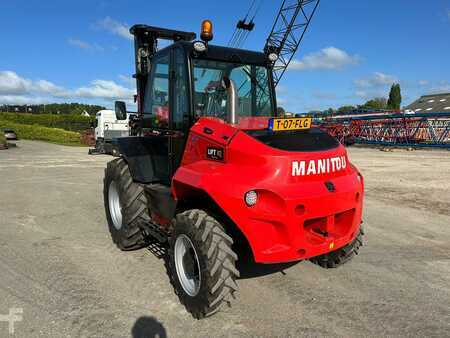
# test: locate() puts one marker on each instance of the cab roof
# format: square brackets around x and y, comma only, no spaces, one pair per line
[220,53]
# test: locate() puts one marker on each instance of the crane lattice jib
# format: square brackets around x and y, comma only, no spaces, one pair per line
[287,33]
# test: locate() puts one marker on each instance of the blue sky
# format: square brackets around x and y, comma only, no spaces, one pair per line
[67,51]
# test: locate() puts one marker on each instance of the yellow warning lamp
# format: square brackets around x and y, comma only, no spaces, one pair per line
[207,31]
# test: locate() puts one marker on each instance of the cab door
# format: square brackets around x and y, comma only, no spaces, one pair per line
[156,120]
[180,112]
[166,110]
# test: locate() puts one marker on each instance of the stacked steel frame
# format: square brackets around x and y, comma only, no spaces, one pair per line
[415,130]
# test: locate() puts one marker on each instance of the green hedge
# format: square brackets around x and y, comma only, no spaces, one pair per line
[2,138]
[76,123]
[39,133]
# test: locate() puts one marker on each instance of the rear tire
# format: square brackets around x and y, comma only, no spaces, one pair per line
[204,277]
[125,206]
[341,256]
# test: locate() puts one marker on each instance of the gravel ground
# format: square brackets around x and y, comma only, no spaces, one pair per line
[59,266]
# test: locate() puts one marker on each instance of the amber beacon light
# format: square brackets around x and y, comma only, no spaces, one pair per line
[207,31]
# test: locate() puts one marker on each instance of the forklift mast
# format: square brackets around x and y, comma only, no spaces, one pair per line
[145,46]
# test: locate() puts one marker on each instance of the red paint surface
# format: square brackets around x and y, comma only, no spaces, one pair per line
[293,213]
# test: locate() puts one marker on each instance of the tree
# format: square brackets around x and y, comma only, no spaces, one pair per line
[395,97]
[345,109]
[376,103]
[327,112]
[280,111]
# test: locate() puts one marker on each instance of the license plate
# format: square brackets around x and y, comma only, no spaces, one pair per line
[297,123]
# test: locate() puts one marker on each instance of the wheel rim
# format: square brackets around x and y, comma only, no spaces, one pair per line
[115,209]
[187,265]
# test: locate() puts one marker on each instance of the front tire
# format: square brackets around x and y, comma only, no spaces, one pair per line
[125,206]
[201,263]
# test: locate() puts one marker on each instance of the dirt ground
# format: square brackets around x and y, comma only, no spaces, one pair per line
[60,268]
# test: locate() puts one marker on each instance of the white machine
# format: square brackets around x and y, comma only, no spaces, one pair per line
[107,128]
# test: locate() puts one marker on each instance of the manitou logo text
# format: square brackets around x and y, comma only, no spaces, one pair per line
[317,167]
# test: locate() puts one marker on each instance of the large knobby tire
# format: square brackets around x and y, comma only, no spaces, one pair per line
[125,206]
[341,256]
[210,280]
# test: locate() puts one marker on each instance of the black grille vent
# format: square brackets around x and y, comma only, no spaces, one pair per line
[312,139]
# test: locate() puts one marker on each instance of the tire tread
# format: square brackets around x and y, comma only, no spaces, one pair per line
[134,207]
[215,246]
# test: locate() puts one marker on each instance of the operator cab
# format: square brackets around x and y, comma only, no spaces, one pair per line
[189,80]
[184,85]
[183,82]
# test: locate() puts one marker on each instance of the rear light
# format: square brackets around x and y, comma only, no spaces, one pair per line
[251,198]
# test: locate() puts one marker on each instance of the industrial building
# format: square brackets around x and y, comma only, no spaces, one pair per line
[437,103]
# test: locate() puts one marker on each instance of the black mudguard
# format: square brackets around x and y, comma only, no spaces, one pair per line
[147,158]
[161,201]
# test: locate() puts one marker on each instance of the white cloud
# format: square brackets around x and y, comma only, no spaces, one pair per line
[79,44]
[84,45]
[376,80]
[378,85]
[115,27]
[330,58]
[440,87]
[17,90]
[129,80]
[47,87]
[12,84]
[372,93]
[375,85]
[104,89]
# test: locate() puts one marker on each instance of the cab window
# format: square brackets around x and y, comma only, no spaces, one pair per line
[180,84]
[251,81]
[156,108]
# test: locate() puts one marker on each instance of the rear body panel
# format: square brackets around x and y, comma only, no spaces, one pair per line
[309,203]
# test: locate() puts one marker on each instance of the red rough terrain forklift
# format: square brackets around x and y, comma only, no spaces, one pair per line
[210,165]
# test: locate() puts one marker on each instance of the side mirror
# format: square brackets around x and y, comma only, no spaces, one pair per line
[121,110]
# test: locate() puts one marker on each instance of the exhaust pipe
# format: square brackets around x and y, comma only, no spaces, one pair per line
[233,104]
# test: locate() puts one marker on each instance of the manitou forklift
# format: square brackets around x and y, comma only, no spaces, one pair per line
[210,165]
